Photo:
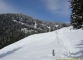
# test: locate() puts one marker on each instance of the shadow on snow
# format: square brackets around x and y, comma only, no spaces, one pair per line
[9,52]
[78,54]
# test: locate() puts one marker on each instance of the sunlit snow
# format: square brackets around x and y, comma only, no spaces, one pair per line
[66,43]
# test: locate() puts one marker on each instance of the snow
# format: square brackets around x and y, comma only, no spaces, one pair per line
[25,30]
[66,43]
[35,24]
[14,20]
[22,23]
[56,25]
[49,28]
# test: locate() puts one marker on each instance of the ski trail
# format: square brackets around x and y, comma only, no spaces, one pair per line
[69,47]
[60,42]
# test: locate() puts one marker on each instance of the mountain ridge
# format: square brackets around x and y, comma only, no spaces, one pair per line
[14,27]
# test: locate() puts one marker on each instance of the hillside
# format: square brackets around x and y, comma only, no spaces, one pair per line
[66,43]
[14,27]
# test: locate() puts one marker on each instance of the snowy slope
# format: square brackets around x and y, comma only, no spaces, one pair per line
[65,43]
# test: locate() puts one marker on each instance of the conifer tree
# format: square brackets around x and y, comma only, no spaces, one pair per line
[77,13]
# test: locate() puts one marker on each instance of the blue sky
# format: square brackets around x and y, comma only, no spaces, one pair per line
[48,10]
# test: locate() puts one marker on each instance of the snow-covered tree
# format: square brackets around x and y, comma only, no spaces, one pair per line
[77,13]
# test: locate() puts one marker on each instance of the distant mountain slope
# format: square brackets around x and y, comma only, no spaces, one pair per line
[14,27]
